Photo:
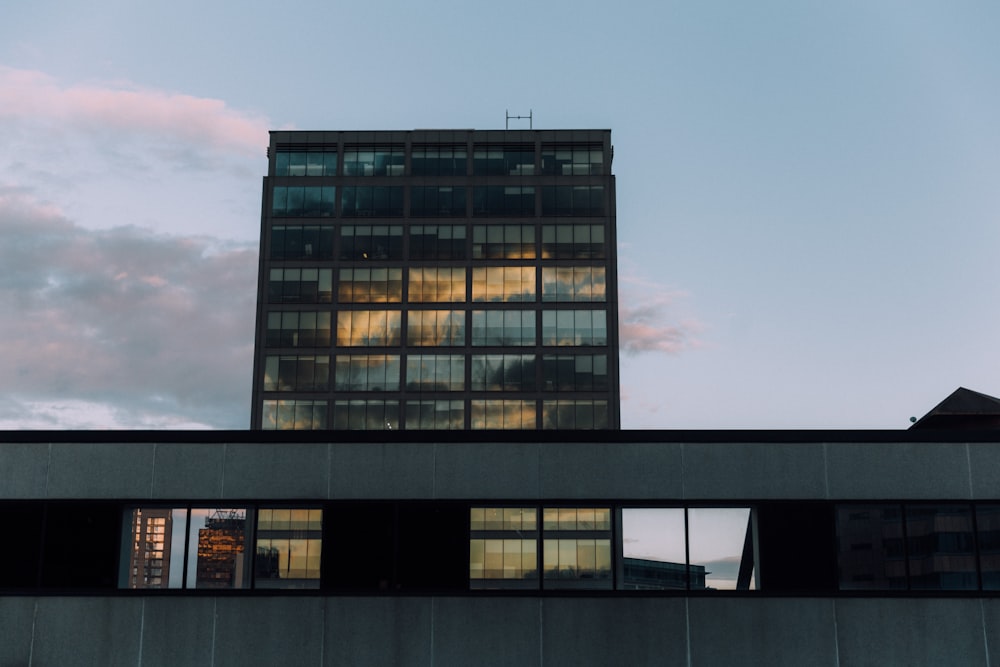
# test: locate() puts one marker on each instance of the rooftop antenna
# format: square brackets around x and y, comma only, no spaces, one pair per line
[509,117]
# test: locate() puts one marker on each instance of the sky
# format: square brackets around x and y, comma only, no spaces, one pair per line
[808,192]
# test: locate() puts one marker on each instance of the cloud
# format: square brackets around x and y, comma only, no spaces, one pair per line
[136,328]
[36,97]
[645,310]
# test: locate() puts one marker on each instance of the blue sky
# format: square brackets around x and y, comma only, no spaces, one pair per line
[808,198]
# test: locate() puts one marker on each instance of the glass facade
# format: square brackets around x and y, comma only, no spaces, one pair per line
[479,264]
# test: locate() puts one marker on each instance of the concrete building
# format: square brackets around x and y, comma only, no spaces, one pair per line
[437,279]
[817,547]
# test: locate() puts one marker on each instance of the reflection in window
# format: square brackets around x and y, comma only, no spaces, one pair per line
[503,327]
[870,543]
[438,160]
[988,532]
[301,201]
[574,327]
[575,372]
[297,372]
[300,286]
[436,285]
[940,547]
[368,328]
[379,201]
[289,548]
[220,538]
[720,540]
[367,372]
[573,160]
[507,414]
[371,242]
[365,285]
[153,554]
[436,415]
[503,242]
[576,547]
[503,372]
[655,550]
[509,200]
[292,328]
[503,283]
[573,242]
[573,283]
[437,242]
[503,547]
[374,161]
[437,201]
[573,200]
[293,415]
[302,242]
[303,163]
[435,372]
[435,327]
[506,160]
[362,415]
[576,414]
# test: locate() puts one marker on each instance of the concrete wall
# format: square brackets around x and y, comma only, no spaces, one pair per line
[616,470]
[446,632]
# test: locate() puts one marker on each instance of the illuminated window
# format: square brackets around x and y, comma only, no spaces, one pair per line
[297,372]
[508,414]
[503,283]
[293,415]
[503,547]
[576,549]
[368,328]
[503,242]
[367,372]
[435,327]
[288,547]
[370,285]
[436,285]
[573,283]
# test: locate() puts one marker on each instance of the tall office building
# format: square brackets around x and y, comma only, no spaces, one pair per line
[437,279]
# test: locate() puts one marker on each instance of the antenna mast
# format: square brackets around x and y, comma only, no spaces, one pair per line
[509,117]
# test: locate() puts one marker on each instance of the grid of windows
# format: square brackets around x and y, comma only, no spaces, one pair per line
[464,241]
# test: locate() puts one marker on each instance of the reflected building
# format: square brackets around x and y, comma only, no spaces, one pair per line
[221,550]
[643,574]
[437,279]
[149,562]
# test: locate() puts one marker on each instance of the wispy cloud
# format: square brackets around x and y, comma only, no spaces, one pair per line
[100,108]
[154,329]
[648,322]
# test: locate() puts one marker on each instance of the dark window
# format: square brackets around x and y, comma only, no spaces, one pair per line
[437,242]
[503,160]
[437,201]
[797,546]
[374,161]
[503,200]
[438,160]
[305,163]
[81,548]
[582,200]
[302,242]
[371,201]
[20,556]
[371,242]
[573,160]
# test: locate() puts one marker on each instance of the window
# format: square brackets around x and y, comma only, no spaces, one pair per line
[576,547]
[575,414]
[303,200]
[503,242]
[367,372]
[437,242]
[371,242]
[503,327]
[871,547]
[370,285]
[368,328]
[374,161]
[435,327]
[436,285]
[437,201]
[293,415]
[573,283]
[573,242]
[575,372]
[302,242]
[574,327]
[580,200]
[503,547]
[365,201]
[510,160]
[438,415]
[435,372]
[305,163]
[300,286]
[293,328]
[503,283]
[503,372]
[366,415]
[439,160]
[288,547]
[290,372]
[504,200]
[509,414]
[573,160]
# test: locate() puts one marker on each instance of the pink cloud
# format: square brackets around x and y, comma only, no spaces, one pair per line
[645,311]
[35,96]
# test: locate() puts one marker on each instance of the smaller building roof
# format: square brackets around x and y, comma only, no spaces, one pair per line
[963,409]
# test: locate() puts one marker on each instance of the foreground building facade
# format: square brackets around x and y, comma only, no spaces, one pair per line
[639,548]
[437,279]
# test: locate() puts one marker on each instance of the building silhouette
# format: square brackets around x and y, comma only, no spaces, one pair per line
[437,279]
